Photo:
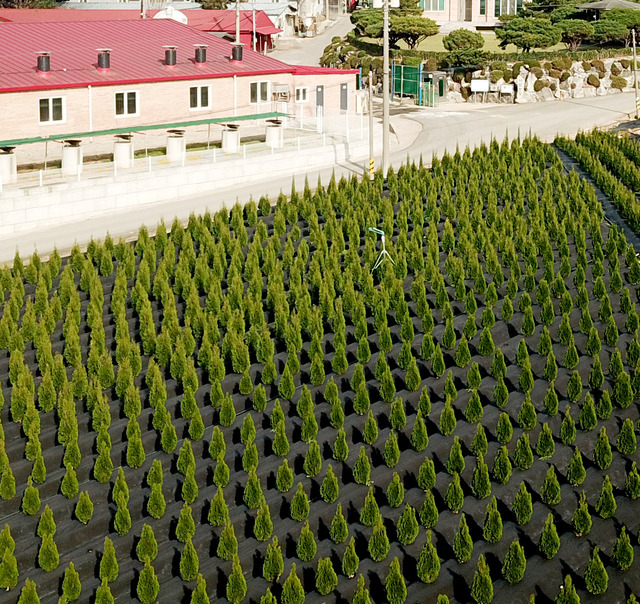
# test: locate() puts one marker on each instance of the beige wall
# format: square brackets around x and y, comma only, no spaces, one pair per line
[93,108]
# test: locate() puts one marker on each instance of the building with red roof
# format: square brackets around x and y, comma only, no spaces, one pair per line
[62,78]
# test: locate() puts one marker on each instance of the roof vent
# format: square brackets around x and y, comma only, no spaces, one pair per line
[236,52]
[44,61]
[201,54]
[104,59]
[170,54]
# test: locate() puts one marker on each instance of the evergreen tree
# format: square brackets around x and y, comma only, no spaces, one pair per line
[606,505]
[428,567]
[300,504]
[504,429]
[8,570]
[362,468]
[147,548]
[199,594]
[551,400]
[623,551]
[480,482]
[228,543]
[492,529]
[568,427]
[523,457]
[549,540]
[595,575]
[407,527]
[545,445]
[329,488]
[626,441]
[108,562]
[395,491]
[340,447]
[419,436]
[292,590]
[185,529]
[454,497]
[587,418]
[339,531]
[71,586]
[550,491]
[522,505]
[515,563]
[568,593]
[447,423]
[280,441]
[391,452]
[575,471]
[379,542]
[189,562]
[394,584]
[273,565]
[632,483]
[361,595]
[31,499]
[284,477]
[48,557]
[581,520]
[482,586]
[455,463]
[29,593]
[84,508]
[326,578]
[429,511]
[602,450]
[306,548]
[370,512]
[350,560]
[237,584]
[501,393]
[502,468]
[527,418]
[148,585]
[103,594]
[603,406]
[596,376]
[462,543]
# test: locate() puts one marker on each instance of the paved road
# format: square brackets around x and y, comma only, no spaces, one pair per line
[307,51]
[420,131]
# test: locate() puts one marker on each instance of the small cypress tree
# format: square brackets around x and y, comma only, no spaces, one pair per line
[284,477]
[568,593]
[603,406]
[306,548]
[492,529]
[429,511]
[370,512]
[379,542]
[185,529]
[522,505]
[632,483]
[329,489]
[486,347]
[606,505]
[31,499]
[587,418]
[407,527]
[8,570]
[228,543]
[350,560]
[482,586]
[454,497]
[109,568]
[394,584]
[71,586]
[29,593]
[339,531]
[480,481]
[263,527]
[523,457]
[501,393]
[568,427]
[623,551]
[428,567]
[626,441]
[300,504]
[69,486]
[602,450]
[84,508]
[527,417]
[550,491]
[595,575]
[292,590]
[504,429]
[147,548]
[48,557]
[447,423]
[596,375]
[455,462]
[362,467]
[273,565]
[237,584]
[340,447]
[462,543]
[515,563]
[199,594]
[545,445]
[502,468]
[189,491]
[391,452]
[549,540]
[575,471]
[498,366]
[148,585]
[581,520]
[551,368]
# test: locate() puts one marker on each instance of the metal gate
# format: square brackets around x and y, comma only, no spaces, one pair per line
[429,96]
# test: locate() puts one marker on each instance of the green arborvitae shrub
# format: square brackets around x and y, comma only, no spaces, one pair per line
[300,504]
[329,489]
[428,567]
[156,505]
[474,411]
[31,499]
[463,356]
[286,387]
[550,490]
[603,406]
[455,462]
[527,417]
[502,467]
[395,585]
[379,542]
[623,551]
[29,593]
[69,486]
[336,417]
[454,497]
[361,402]
[602,450]
[228,544]
[588,419]
[419,436]
[486,347]
[596,375]
[498,365]
[575,471]
[48,557]
[199,594]
[370,512]
[522,505]
[189,562]
[551,400]
[632,483]
[574,387]
[606,505]
[148,585]
[429,511]
[523,457]
[189,491]
[252,495]
[549,543]
[595,575]
[551,368]
[395,491]
[482,586]
[568,427]
[84,508]
[237,584]
[273,565]
[407,527]
[447,423]
[391,451]
[504,429]
[340,447]
[280,441]
[221,473]
[147,548]
[492,529]
[186,527]
[627,442]
[581,520]
[568,593]
[339,530]
[263,527]
[109,568]
[515,563]
[306,548]
[292,590]
[71,586]
[8,570]
[545,445]
[479,444]
[350,560]
[326,578]
[284,477]
[397,415]
[218,510]
[480,481]
[462,543]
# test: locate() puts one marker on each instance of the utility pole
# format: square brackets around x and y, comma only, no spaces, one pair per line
[372,166]
[385,88]
[635,71]
[237,22]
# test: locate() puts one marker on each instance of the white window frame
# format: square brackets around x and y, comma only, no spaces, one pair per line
[303,92]
[259,100]
[50,101]
[199,106]
[126,113]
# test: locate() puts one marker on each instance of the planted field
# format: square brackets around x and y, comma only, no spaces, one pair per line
[241,410]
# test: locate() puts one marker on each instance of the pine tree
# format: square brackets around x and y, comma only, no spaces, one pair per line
[501,393]
[492,529]
[350,560]
[71,586]
[596,376]
[522,505]
[515,563]
[280,441]
[379,542]
[31,499]
[361,595]
[595,575]
[602,450]
[549,540]
[623,551]
[407,527]
[199,594]
[29,593]
[429,511]
[462,543]
[148,585]
[606,505]
[326,578]
[340,447]
[391,452]
[394,584]
[603,406]
[498,365]
[587,418]
[482,586]
[189,562]
[527,418]
[486,347]
[103,594]
[108,562]
[273,565]
[185,529]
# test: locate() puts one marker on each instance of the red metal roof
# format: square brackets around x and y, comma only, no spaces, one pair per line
[225,20]
[137,54]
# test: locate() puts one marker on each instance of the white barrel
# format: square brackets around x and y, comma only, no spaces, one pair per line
[71,160]
[175,147]
[231,141]
[8,168]
[275,136]
[123,154]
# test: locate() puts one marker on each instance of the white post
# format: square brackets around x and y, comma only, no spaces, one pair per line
[385,88]
[635,71]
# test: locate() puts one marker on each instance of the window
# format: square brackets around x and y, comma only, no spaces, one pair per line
[302,95]
[199,97]
[51,110]
[433,5]
[483,7]
[259,92]
[126,103]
